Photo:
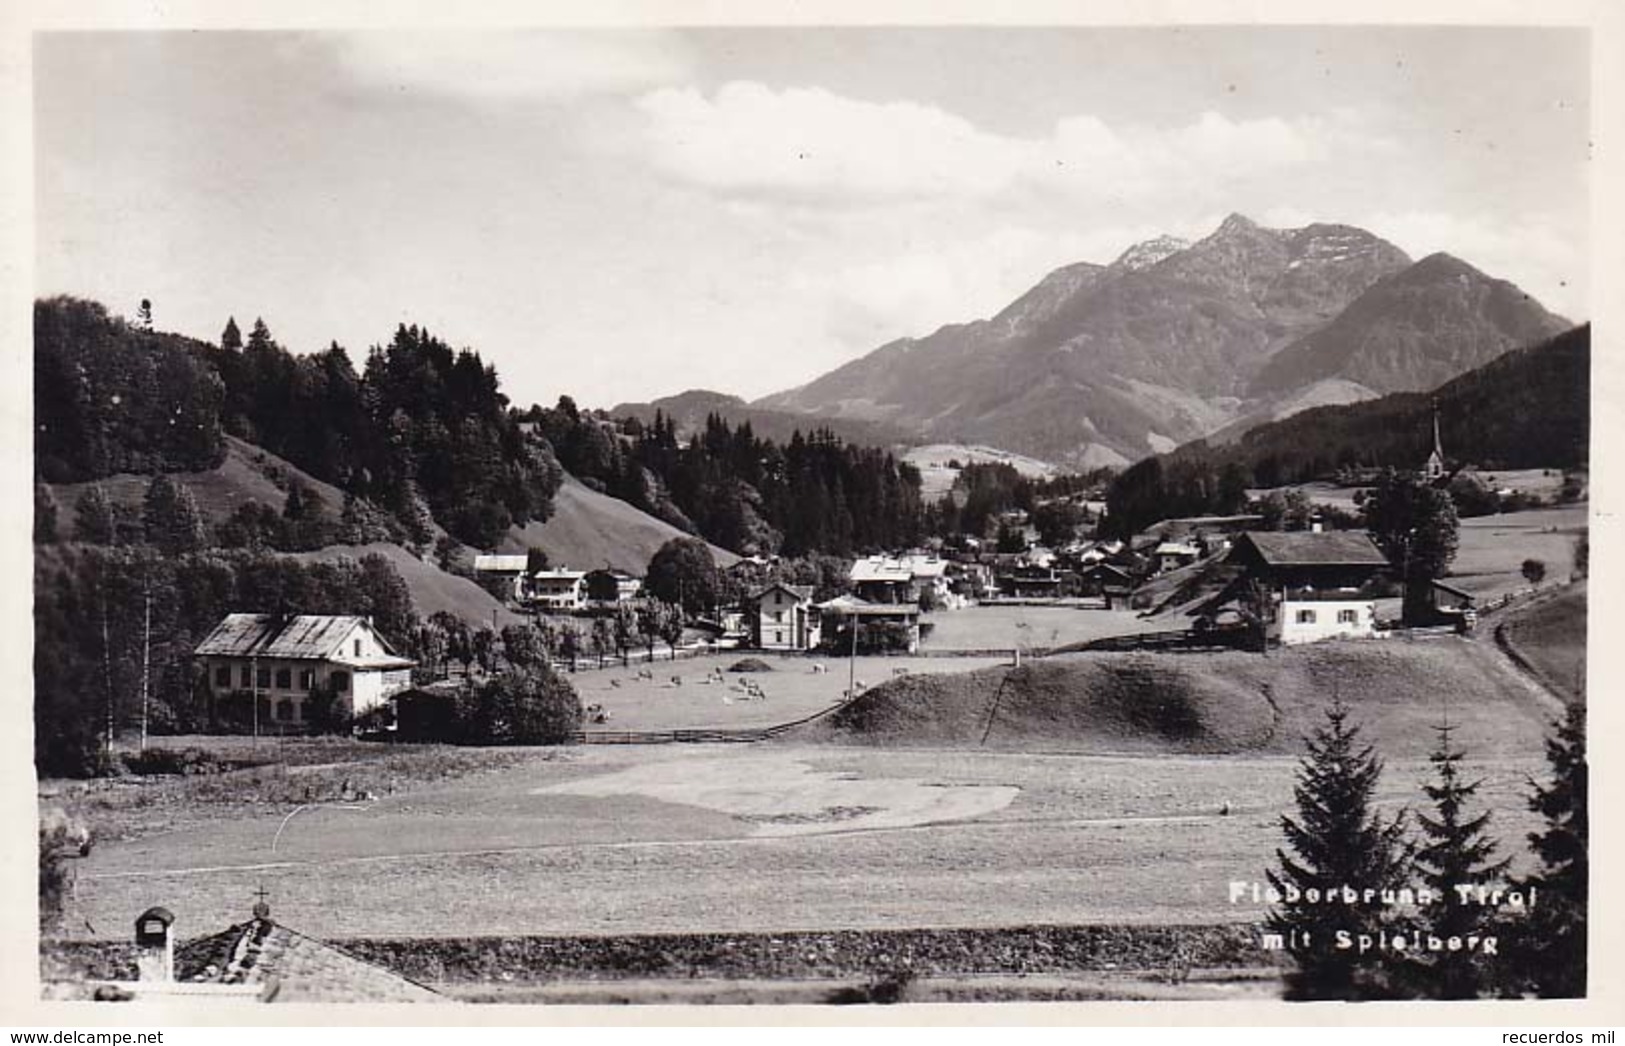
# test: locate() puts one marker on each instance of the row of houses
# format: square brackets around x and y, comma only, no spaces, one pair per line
[557,589]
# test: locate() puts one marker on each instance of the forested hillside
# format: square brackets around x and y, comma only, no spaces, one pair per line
[422,433]
[814,493]
[1529,408]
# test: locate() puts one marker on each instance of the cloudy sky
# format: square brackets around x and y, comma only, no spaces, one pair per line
[622,214]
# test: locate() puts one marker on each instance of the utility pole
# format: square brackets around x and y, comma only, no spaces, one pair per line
[146,658]
[852,661]
[107,667]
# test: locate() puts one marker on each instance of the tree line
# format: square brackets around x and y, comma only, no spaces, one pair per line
[1440,921]
[1526,409]
[812,494]
[421,436]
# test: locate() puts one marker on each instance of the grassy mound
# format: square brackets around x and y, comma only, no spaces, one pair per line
[1229,702]
[589,529]
[750,664]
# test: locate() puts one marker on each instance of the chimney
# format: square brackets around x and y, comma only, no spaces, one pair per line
[155,958]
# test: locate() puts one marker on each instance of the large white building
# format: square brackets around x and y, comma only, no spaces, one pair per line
[279,660]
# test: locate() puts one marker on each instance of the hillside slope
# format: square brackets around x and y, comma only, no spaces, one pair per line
[247,473]
[589,529]
[432,589]
[1208,703]
[1413,330]
[689,410]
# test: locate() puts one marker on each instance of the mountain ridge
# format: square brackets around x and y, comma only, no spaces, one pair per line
[1176,341]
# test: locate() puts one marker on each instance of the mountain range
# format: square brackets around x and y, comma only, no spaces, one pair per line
[1174,341]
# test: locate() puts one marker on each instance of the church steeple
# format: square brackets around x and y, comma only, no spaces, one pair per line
[1434,468]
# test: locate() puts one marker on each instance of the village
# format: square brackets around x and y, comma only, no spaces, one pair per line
[1195,583]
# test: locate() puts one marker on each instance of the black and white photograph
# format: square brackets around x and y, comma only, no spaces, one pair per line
[810,514]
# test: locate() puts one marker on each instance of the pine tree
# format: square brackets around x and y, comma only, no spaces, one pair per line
[1551,956]
[1337,841]
[174,523]
[94,520]
[1456,852]
[231,339]
[45,514]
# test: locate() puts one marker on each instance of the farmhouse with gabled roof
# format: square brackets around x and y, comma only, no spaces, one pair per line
[281,659]
[1317,585]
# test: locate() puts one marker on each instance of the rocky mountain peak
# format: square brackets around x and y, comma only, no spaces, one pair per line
[1236,224]
[1149,252]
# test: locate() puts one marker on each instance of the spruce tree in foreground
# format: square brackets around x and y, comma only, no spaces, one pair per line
[1336,840]
[1550,956]
[1456,852]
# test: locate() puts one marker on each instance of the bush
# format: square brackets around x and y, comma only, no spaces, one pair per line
[185,761]
[533,706]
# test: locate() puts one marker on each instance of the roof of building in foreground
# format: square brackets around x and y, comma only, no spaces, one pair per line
[291,967]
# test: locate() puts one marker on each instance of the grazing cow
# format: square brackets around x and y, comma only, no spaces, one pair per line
[616,683]
[819,668]
[676,680]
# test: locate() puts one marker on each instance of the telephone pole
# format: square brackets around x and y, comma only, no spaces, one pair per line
[146,658]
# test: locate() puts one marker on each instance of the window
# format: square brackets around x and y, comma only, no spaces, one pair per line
[222,676]
[358,648]
[284,679]
[1306,617]
[307,679]
[265,679]
[340,681]
[284,709]
[778,615]
[244,679]
[1348,617]
[778,636]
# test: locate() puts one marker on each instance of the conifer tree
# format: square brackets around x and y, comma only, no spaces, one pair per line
[174,523]
[1550,955]
[231,339]
[1336,841]
[1456,851]
[94,520]
[45,514]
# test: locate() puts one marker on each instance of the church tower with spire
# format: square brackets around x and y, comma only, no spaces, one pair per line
[1433,470]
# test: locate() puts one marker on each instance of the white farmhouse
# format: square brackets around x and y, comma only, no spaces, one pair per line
[280,659]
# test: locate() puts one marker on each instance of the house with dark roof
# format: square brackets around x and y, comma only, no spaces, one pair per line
[782,617]
[259,960]
[280,660]
[1315,584]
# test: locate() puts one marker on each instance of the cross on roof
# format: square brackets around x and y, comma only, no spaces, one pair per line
[261,908]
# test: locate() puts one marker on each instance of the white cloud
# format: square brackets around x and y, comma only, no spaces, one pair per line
[912,292]
[807,143]
[1529,251]
[555,64]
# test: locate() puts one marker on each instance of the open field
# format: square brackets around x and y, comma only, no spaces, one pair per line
[1492,548]
[792,690]
[937,476]
[1551,634]
[1009,627]
[718,838]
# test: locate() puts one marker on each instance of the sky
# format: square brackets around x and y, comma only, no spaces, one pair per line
[624,214]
